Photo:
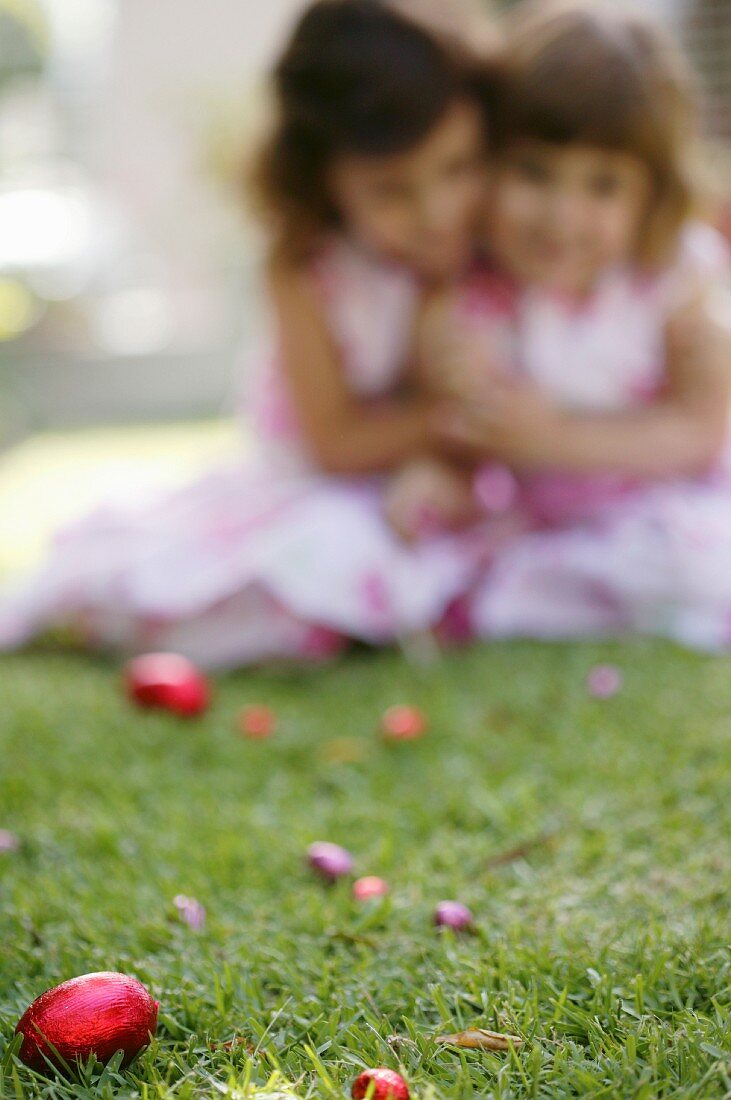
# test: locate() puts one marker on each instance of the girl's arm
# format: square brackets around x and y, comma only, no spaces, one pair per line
[680,434]
[684,430]
[346,434]
[432,493]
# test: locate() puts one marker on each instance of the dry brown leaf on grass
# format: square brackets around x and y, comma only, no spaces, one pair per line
[479,1039]
[520,851]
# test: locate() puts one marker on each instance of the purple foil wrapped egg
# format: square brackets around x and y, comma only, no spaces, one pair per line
[8,841]
[329,860]
[190,911]
[454,915]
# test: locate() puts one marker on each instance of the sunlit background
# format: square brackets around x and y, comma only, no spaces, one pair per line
[123,251]
[126,260]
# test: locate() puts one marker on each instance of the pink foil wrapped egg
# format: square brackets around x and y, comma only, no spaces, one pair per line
[604,681]
[496,488]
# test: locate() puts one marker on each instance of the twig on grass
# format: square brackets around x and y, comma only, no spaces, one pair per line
[520,851]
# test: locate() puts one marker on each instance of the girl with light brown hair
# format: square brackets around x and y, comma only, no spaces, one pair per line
[608,405]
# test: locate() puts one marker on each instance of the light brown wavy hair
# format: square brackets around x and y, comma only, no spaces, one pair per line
[598,75]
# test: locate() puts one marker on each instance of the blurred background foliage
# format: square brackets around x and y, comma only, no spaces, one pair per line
[24,40]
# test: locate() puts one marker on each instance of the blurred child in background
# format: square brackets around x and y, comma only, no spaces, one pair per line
[371,183]
[610,400]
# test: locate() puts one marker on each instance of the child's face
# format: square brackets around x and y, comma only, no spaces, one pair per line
[560,215]
[418,208]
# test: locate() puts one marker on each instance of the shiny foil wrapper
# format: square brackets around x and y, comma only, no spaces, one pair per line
[96,1013]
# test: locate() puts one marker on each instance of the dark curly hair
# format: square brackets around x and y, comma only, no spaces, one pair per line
[357,77]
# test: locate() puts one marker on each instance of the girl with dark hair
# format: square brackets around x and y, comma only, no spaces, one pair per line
[370,185]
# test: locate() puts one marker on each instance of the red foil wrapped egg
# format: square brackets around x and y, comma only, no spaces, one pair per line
[369,887]
[258,723]
[96,1013]
[384,1084]
[403,723]
[167,681]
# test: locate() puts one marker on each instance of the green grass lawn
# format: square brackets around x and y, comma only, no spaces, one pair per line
[605,947]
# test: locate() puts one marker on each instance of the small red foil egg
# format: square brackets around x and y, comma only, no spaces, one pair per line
[169,682]
[329,860]
[384,1084]
[402,723]
[369,887]
[97,1013]
[454,915]
[258,723]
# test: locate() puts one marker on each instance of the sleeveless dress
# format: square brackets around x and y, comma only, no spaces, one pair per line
[267,558]
[605,554]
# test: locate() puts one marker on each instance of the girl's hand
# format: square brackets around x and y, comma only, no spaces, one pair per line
[457,361]
[513,422]
[429,496]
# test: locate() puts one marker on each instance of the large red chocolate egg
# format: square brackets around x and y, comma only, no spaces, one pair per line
[168,681]
[100,1013]
[380,1084]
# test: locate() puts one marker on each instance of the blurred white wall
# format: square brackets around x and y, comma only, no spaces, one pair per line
[178,69]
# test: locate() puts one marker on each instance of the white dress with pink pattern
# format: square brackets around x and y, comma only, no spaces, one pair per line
[607,555]
[266,559]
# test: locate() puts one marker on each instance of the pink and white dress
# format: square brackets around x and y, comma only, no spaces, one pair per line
[268,558]
[607,555]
